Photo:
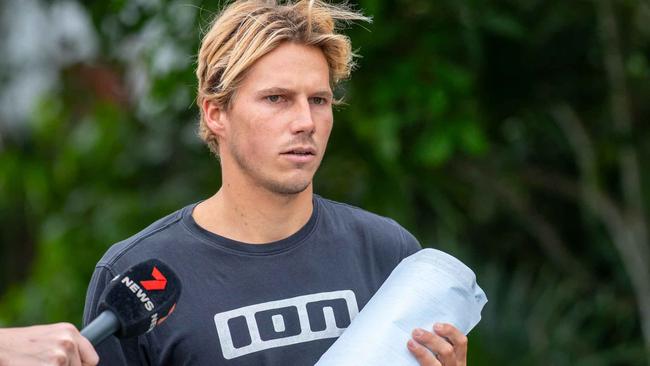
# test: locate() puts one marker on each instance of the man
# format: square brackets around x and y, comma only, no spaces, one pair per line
[58,344]
[272,273]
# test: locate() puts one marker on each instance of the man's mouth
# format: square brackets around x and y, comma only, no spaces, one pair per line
[300,154]
[302,151]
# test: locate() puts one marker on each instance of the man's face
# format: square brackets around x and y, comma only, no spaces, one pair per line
[276,130]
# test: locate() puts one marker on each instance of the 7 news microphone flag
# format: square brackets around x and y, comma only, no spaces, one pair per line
[135,302]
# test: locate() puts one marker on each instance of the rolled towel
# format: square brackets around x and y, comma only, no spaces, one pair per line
[427,287]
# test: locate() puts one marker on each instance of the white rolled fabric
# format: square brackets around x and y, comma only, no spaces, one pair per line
[427,287]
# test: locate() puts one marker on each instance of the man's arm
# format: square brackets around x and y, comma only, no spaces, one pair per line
[53,344]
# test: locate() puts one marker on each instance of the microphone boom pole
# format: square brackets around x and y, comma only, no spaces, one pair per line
[102,327]
[135,302]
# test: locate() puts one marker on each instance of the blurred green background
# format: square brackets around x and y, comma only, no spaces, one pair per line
[513,134]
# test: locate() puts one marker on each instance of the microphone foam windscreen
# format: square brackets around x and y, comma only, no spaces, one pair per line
[141,297]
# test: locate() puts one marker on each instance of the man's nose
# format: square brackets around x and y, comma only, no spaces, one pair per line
[303,121]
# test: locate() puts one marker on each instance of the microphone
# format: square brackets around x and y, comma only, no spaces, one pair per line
[135,302]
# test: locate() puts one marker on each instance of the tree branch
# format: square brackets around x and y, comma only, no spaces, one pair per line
[637,236]
[622,120]
[548,238]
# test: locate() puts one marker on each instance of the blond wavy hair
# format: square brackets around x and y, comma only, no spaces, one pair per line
[246,30]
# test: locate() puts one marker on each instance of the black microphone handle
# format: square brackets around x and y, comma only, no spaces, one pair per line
[103,326]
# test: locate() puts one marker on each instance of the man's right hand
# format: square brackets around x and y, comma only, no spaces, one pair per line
[53,344]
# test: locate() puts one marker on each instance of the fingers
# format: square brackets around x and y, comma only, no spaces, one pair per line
[443,350]
[73,348]
[67,352]
[455,337]
[87,352]
[53,344]
[422,354]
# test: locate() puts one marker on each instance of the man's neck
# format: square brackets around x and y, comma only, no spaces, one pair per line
[254,216]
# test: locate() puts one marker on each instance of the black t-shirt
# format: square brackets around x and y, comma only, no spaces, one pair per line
[281,303]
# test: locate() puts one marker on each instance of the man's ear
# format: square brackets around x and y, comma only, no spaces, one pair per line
[215,118]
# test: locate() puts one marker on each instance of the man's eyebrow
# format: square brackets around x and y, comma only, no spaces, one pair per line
[283,91]
[275,90]
[323,94]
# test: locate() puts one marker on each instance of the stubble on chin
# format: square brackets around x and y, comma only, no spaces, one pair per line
[287,189]
[268,183]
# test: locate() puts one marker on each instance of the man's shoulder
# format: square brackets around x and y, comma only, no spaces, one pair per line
[158,232]
[366,230]
[356,215]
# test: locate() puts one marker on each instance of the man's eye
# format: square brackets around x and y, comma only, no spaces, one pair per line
[274,98]
[318,100]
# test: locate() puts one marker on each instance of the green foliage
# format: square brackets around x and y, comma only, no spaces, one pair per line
[461,123]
